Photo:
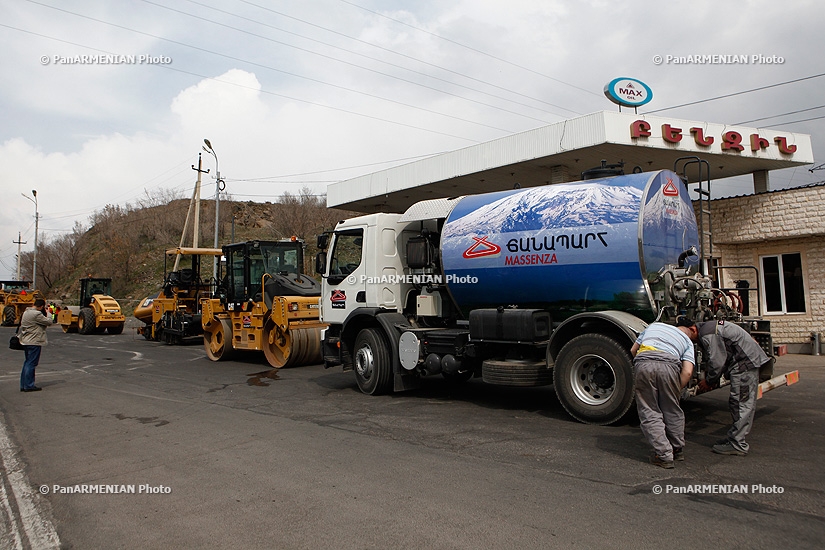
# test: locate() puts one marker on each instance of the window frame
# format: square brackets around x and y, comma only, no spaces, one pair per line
[782,290]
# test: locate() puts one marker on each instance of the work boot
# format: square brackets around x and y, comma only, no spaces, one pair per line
[728,449]
[679,454]
[656,460]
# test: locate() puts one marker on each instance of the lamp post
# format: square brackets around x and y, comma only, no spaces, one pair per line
[219,186]
[36,230]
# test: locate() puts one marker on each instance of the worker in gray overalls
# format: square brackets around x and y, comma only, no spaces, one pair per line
[731,351]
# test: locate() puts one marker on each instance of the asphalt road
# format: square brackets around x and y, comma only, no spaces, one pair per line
[234,454]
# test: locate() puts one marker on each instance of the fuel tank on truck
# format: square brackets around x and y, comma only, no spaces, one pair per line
[568,248]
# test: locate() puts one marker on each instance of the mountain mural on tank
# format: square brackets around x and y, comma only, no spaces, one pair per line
[561,205]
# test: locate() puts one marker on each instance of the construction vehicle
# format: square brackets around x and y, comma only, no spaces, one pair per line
[264,302]
[15,298]
[174,314]
[98,312]
[526,287]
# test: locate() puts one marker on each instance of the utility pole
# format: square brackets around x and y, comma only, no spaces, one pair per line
[219,186]
[36,231]
[196,202]
[19,243]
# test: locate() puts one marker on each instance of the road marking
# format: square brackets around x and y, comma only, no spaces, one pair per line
[38,530]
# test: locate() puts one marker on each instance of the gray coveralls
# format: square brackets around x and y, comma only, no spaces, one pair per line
[657,400]
[733,352]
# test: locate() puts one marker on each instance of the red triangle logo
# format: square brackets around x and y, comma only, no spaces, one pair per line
[482,247]
[670,189]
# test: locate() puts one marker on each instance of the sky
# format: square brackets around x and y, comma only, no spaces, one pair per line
[304,93]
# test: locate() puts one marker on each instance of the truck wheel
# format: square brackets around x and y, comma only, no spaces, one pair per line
[373,370]
[217,340]
[593,378]
[117,329]
[86,321]
[9,316]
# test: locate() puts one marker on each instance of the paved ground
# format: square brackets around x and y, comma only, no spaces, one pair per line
[237,455]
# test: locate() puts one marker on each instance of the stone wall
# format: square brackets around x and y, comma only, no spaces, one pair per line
[792,220]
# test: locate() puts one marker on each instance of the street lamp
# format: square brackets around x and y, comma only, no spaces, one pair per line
[219,186]
[36,229]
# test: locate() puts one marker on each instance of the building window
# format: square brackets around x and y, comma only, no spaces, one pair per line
[783,290]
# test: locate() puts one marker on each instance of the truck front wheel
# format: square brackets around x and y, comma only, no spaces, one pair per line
[593,378]
[373,369]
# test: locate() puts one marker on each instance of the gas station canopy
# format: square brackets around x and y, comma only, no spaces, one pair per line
[559,152]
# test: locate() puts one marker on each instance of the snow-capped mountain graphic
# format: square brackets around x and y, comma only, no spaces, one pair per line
[552,206]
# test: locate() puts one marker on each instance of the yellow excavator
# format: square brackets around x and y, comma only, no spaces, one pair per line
[98,312]
[264,302]
[174,314]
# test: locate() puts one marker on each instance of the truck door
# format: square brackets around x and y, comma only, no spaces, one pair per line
[346,280]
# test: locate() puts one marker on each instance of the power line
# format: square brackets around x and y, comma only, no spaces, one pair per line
[205,77]
[794,121]
[735,93]
[783,114]
[346,63]
[359,54]
[471,49]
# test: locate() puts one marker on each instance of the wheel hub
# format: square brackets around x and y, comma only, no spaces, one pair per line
[364,362]
[593,379]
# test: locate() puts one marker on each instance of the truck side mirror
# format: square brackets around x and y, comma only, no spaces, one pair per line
[321,262]
[322,241]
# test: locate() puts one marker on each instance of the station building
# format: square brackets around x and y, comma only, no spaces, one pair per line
[779,234]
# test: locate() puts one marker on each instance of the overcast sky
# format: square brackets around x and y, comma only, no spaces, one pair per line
[308,92]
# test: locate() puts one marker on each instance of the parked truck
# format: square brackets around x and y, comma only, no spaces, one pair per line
[526,287]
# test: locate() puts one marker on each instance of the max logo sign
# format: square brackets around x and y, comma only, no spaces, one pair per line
[670,189]
[482,247]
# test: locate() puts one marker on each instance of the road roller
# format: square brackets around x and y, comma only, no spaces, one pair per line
[264,302]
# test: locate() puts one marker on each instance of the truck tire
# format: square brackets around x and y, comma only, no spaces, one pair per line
[523,374]
[86,321]
[372,365]
[593,378]
[9,316]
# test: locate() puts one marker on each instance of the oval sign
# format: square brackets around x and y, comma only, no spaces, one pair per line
[628,92]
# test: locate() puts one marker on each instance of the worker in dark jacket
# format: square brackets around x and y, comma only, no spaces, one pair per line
[732,352]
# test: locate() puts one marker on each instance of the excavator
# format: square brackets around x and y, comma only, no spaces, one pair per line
[264,302]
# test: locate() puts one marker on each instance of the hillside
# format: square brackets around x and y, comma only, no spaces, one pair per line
[127,244]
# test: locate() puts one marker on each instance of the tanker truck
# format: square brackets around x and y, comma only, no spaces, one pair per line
[525,287]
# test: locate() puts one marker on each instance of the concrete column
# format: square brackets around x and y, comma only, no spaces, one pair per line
[559,174]
[761,181]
